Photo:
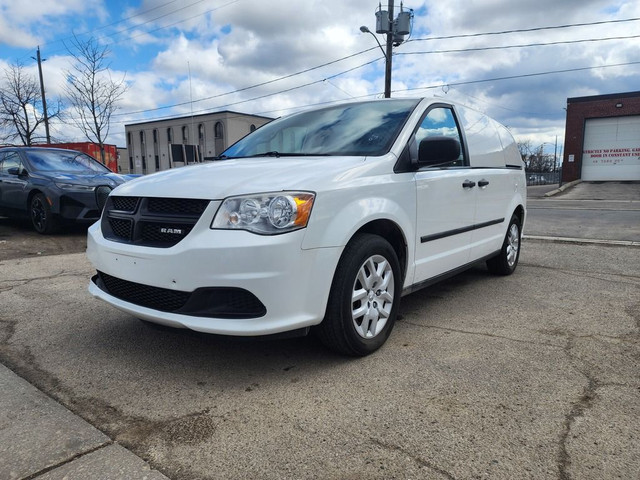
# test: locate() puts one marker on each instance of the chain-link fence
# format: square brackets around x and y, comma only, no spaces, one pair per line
[543,178]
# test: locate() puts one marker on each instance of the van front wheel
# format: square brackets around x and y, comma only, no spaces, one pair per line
[364,297]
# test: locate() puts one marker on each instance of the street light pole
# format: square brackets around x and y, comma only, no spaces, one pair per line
[44,99]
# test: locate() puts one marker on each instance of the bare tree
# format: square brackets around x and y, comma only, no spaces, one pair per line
[92,91]
[535,160]
[21,112]
[525,149]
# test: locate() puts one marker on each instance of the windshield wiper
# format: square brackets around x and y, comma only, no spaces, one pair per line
[275,153]
[272,153]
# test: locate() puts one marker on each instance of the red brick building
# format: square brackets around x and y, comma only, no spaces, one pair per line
[602,138]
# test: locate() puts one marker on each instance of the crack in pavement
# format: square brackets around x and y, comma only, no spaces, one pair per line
[584,403]
[35,475]
[483,334]
[10,284]
[419,460]
[579,408]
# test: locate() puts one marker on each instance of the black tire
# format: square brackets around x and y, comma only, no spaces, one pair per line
[42,219]
[361,326]
[506,261]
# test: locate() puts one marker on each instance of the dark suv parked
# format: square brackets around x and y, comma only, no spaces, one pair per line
[50,185]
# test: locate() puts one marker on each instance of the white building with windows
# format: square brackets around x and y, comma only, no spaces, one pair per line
[174,142]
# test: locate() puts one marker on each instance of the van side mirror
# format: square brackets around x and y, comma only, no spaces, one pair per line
[13,171]
[436,151]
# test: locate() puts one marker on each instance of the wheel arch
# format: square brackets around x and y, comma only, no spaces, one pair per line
[520,213]
[393,234]
[32,194]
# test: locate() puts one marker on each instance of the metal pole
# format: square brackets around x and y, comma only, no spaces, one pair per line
[387,70]
[44,99]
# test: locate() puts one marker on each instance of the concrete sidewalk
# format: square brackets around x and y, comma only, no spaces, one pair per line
[40,439]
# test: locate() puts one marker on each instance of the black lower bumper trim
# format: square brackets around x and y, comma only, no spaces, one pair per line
[212,302]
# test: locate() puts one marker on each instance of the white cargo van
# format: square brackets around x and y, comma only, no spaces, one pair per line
[321,219]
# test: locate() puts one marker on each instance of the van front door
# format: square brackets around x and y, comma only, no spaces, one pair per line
[446,197]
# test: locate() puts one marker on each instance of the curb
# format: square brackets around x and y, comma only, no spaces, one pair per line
[562,188]
[585,241]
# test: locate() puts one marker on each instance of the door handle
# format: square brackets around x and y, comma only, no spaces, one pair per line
[483,183]
[468,184]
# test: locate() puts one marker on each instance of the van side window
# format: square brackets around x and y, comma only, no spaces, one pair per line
[440,122]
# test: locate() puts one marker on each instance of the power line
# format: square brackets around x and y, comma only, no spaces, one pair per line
[179,21]
[429,87]
[308,84]
[524,30]
[184,7]
[164,107]
[501,47]
[512,77]
[111,24]
[373,48]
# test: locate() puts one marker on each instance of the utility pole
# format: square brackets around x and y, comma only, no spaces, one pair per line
[387,68]
[395,29]
[44,99]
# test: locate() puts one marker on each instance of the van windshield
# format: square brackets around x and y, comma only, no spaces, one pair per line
[353,129]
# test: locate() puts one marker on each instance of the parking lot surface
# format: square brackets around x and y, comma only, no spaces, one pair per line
[531,376]
[536,376]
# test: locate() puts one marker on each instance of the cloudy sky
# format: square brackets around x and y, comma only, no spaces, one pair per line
[517,60]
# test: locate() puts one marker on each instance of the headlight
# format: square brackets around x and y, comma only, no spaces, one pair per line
[267,214]
[75,187]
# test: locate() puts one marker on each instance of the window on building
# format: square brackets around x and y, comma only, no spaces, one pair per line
[219,130]
[142,151]
[169,135]
[130,151]
[185,134]
[252,128]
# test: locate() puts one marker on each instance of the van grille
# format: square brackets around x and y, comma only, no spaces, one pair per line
[151,222]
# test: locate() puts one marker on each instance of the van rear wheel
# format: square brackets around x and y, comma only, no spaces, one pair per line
[506,261]
[364,297]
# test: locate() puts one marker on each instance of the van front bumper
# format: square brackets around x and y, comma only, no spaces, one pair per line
[217,281]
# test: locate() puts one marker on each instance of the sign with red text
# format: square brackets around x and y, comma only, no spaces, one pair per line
[611,149]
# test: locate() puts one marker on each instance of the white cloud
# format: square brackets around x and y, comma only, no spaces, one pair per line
[229,45]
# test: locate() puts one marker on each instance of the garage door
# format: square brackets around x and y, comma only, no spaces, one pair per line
[611,149]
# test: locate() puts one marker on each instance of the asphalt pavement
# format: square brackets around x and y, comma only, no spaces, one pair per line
[533,376]
[601,213]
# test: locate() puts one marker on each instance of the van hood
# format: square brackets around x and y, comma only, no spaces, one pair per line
[225,178]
